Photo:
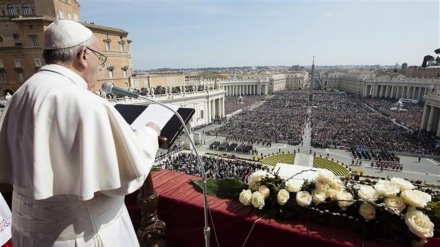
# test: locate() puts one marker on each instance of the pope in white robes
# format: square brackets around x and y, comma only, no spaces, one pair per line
[69,154]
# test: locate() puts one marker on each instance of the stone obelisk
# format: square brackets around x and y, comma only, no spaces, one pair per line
[312,82]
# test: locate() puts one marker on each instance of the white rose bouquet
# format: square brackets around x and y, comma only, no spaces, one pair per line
[388,209]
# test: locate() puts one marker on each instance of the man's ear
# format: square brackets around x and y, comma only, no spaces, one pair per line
[81,57]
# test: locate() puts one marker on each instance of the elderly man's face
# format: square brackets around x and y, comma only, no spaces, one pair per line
[94,62]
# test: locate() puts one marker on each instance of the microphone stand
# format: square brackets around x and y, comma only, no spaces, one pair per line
[206,229]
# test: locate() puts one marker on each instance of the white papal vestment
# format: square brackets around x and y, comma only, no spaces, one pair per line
[71,158]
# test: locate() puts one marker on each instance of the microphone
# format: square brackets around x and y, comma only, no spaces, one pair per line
[108,87]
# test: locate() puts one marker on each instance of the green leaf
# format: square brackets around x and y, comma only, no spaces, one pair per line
[230,188]
[211,186]
[222,188]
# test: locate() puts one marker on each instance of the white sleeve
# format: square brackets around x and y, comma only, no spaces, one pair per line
[145,135]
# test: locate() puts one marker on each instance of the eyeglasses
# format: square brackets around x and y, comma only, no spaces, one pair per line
[101,57]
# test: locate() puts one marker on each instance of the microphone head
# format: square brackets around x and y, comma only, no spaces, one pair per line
[107,87]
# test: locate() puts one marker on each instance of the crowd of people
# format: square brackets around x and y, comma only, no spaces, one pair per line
[235,103]
[337,120]
[392,165]
[407,114]
[214,167]
[233,147]
[381,159]
[350,121]
[280,118]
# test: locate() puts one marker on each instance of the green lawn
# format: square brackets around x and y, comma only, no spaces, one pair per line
[337,169]
[279,158]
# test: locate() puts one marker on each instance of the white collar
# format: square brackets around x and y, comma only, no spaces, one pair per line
[68,73]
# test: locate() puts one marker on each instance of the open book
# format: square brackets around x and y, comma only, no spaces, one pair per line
[170,125]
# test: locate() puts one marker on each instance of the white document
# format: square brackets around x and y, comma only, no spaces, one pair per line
[5,222]
[154,113]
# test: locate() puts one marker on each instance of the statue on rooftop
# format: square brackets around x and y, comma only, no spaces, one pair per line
[429,60]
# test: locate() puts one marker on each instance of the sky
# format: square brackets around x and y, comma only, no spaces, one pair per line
[235,33]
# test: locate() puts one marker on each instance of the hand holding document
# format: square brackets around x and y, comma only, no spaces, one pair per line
[154,113]
[169,124]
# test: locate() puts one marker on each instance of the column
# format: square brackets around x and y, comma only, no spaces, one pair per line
[219,108]
[222,107]
[214,113]
[438,131]
[208,111]
[424,123]
[430,119]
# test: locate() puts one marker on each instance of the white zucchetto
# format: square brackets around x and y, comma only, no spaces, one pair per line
[64,34]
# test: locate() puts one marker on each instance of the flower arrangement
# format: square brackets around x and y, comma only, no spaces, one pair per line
[387,209]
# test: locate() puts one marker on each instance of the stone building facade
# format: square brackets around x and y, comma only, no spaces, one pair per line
[21,39]
[428,72]
[431,113]
[238,87]
[296,80]
[368,84]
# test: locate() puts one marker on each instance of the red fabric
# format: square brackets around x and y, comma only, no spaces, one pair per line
[434,242]
[7,244]
[181,208]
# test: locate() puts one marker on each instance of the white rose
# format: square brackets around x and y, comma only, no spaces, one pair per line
[255,178]
[303,198]
[367,211]
[264,191]
[367,193]
[403,184]
[331,193]
[294,185]
[319,196]
[419,224]
[415,198]
[395,202]
[325,176]
[283,196]
[337,184]
[386,188]
[245,197]
[345,199]
[257,200]
[321,186]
